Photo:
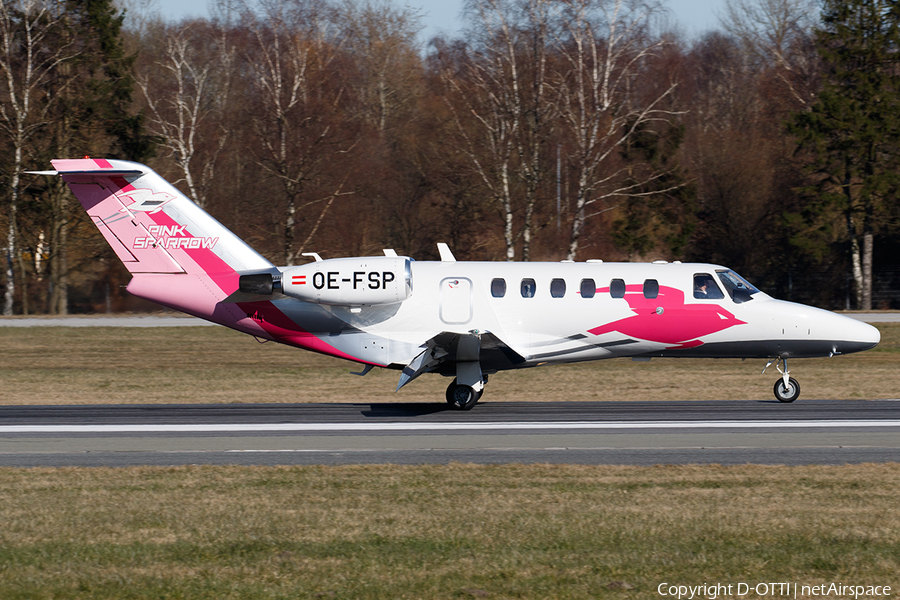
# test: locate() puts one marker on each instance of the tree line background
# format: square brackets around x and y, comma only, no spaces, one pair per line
[547,130]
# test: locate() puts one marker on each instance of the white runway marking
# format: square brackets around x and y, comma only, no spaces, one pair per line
[400,427]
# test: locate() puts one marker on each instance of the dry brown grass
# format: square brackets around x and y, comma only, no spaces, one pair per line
[514,531]
[106,365]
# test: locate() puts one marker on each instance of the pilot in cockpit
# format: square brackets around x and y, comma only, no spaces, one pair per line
[705,287]
[700,285]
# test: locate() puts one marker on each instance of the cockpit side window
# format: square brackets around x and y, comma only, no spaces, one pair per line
[705,287]
[737,287]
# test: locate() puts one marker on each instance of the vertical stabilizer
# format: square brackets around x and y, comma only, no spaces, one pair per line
[152,226]
[179,255]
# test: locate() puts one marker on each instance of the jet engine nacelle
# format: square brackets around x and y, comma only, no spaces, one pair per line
[362,281]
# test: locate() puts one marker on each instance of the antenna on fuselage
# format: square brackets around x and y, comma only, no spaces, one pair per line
[446,255]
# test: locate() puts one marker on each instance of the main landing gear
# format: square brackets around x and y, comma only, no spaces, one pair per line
[464,397]
[787,389]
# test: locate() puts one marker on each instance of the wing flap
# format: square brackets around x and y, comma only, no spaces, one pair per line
[442,352]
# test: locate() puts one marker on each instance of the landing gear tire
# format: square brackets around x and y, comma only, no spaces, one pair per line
[789,393]
[462,397]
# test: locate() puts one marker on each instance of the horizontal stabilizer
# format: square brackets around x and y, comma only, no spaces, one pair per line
[106,172]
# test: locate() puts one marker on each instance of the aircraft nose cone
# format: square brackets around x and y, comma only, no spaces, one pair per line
[858,336]
[869,334]
[828,333]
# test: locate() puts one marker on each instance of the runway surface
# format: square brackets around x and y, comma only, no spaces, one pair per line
[632,433]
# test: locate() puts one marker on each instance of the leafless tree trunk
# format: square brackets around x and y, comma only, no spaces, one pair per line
[503,115]
[868,249]
[26,62]
[490,146]
[381,38]
[294,48]
[538,112]
[605,43]
[188,96]
[861,251]
[57,196]
[779,34]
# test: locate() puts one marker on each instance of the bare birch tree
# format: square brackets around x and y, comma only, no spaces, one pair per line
[294,46]
[604,45]
[27,62]
[487,128]
[187,92]
[779,34]
[501,108]
[382,40]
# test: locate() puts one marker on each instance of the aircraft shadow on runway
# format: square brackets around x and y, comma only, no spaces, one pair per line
[407,409]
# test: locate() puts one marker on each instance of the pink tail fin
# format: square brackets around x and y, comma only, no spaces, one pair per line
[179,255]
[153,227]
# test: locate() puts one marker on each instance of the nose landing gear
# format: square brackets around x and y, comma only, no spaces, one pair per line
[787,389]
[789,392]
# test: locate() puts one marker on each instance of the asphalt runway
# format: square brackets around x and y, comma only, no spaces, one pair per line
[623,433]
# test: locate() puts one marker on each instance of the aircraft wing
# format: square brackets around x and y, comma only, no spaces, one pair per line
[441,354]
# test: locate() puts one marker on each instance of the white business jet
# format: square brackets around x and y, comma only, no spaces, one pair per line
[464,320]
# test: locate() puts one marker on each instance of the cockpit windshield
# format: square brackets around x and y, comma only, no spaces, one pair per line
[738,288]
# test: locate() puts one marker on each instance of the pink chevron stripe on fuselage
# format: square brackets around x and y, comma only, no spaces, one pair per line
[668,319]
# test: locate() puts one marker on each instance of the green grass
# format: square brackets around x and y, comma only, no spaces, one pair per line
[454,531]
[110,365]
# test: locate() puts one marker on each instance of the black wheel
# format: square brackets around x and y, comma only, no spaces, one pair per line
[789,393]
[461,397]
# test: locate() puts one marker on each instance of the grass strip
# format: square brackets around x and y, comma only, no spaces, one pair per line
[455,531]
[112,365]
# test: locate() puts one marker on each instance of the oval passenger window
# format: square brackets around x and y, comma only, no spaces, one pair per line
[498,288]
[588,288]
[557,288]
[527,288]
[617,288]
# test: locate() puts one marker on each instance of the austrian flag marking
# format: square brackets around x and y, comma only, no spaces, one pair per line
[298,279]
